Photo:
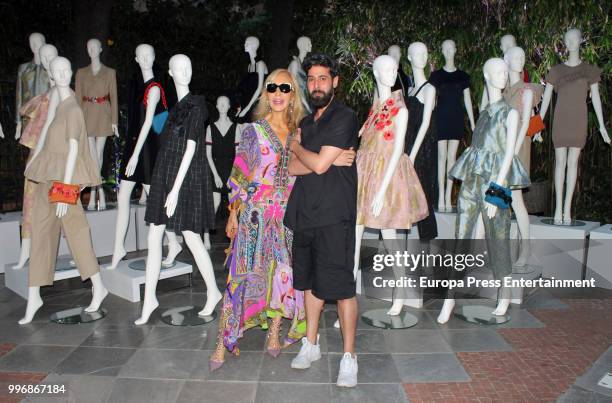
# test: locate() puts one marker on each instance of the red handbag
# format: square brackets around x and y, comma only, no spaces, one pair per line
[536,125]
[64,193]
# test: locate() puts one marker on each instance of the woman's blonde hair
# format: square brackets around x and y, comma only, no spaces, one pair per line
[295,111]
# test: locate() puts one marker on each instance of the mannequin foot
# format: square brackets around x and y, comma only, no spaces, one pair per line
[99,293]
[447,311]
[448,203]
[523,257]
[441,205]
[21,263]
[102,199]
[24,254]
[147,310]
[502,306]
[33,306]
[567,218]
[337,324]
[212,299]
[117,256]
[174,248]
[396,308]
[558,218]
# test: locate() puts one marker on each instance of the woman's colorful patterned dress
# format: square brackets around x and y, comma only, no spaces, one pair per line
[260,280]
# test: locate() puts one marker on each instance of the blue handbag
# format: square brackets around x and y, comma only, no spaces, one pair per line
[159,120]
[498,196]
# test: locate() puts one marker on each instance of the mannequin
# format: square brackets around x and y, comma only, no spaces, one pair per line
[36,110]
[506,42]
[182,130]
[453,86]
[64,127]
[572,80]
[522,97]
[402,81]
[304,46]
[145,56]
[420,137]
[251,85]
[220,152]
[32,79]
[490,158]
[384,168]
[96,92]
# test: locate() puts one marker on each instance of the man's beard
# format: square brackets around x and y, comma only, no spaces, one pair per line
[320,99]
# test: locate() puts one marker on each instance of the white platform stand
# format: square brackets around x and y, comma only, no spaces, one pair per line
[125,282]
[10,238]
[599,264]
[17,280]
[102,226]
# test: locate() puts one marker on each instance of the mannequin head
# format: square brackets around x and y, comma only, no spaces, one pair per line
[180,69]
[449,49]
[506,42]
[47,53]
[223,105]
[515,59]
[573,39]
[94,48]
[304,44]
[417,55]
[251,44]
[61,71]
[496,73]
[36,40]
[396,53]
[145,56]
[385,70]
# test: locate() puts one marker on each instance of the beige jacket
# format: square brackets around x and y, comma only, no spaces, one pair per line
[98,116]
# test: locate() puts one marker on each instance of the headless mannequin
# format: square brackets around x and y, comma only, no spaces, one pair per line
[47,53]
[515,59]
[145,56]
[96,144]
[304,46]
[37,40]
[447,149]
[496,77]
[385,73]
[180,71]
[568,156]
[251,44]
[61,72]
[506,42]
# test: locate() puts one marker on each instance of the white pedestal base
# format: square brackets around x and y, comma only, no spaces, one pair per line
[599,264]
[17,280]
[10,238]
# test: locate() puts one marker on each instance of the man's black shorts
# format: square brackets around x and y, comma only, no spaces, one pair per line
[323,260]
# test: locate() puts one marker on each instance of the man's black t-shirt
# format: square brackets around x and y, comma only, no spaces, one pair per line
[329,198]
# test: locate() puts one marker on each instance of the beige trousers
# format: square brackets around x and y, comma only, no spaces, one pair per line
[46,235]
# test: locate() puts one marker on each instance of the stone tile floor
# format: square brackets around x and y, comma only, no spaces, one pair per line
[553,348]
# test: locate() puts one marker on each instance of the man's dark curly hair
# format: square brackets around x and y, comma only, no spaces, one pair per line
[320,59]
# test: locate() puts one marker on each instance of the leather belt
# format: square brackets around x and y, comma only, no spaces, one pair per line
[97,100]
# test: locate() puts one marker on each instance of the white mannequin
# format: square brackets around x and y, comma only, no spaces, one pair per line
[61,72]
[496,76]
[36,40]
[180,71]
[47,53]
[251,44]
[515,59]
[304,46]
[385,73]
[568,156]
[145,56]
[447,149]
[417,56]
[396,53]
[506,42]
[96,144]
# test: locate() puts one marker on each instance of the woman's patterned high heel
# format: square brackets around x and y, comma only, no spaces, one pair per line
[274,345]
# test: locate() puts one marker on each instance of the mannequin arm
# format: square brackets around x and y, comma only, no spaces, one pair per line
[180,177]
[261,70]
[467,100]
[78,89]
[484,101]
[53,102]
[430,97]
[527,103]
[114,103]
[152,100]
[599,112]
[401,124]
[73,144]
[209,158]
[293,68]
[1,132]
[548,91]
[18,96]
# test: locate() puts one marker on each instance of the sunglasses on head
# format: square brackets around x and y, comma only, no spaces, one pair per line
[285,88]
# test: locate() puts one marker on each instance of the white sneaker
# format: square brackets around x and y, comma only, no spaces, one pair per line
[347,376]
[308,353]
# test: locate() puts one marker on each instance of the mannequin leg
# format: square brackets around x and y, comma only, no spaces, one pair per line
[100,141]
[216,200]
[503,300]
[123,219]
[572,175]
[24,253]
[560,164]
[143,196]
[34,304]
[522,221]
[442,149]
[99,292]
[94,155]
[154,256]
[174,248]
[202,259]
[451,157]
[389,239]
